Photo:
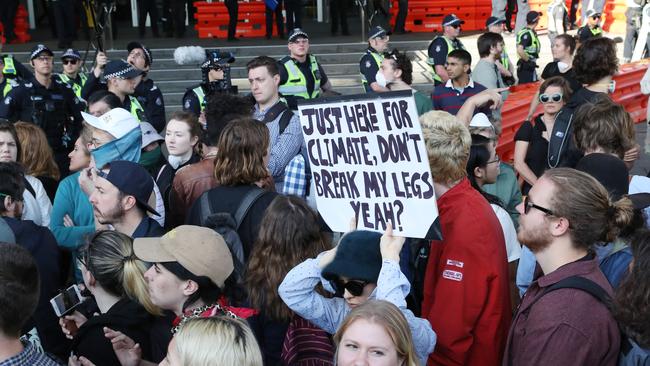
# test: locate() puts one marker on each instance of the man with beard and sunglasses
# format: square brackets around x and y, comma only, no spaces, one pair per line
[120,198]
[364,266]
[560,321]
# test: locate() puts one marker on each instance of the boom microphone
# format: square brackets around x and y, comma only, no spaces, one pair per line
[189,55]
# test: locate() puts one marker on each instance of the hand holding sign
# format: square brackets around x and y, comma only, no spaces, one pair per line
[390,245]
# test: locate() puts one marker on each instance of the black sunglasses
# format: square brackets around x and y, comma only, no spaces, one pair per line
[69,61]
[528,205]
[595,17]
[354,287]
[456,26]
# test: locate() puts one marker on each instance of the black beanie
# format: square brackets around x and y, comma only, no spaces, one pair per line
[358,257]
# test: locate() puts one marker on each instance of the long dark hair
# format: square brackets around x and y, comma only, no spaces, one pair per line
[289,234]
[632,299]
[479,156]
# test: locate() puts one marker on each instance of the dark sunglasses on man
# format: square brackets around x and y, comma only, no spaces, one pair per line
[71,61]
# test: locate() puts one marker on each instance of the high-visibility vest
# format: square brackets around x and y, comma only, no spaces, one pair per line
[10,68]
[136,109]
[450,47]
[7,88]
[76,88]
[296,84]
[505,59]
[200,94]
[378,58]
[533,49]
[596,31]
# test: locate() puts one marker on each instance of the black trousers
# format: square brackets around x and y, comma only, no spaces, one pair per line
[339,14]
[7,16]
[278,20]
[66,27]
[233,13]
[294,14]
[144,7]
[402,10]
[511,8]
[573,11]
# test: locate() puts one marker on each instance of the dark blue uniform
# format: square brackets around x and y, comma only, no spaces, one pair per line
[151,99]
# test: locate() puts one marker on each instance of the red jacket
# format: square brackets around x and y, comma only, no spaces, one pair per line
[466,292]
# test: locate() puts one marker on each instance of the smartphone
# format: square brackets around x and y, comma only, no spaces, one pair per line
[66,301]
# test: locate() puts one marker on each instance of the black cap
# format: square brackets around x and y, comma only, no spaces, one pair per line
[38,49]
[452,19]
[71,53]
[532,16]
[494,21]
[120,69]
[131,179]
[214,58]
[358,257]
[297,33]
[148,59]
[609,170]
[377,32]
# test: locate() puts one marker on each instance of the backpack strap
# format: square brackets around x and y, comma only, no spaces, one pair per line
[560,137]
[580,283]
[246,203]
[285,119]
[28,187]
[206,207]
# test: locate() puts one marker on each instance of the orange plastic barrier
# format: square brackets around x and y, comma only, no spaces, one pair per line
[427,15]
[628,93]
[212,19]
[21,27]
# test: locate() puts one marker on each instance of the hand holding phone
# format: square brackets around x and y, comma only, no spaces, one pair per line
[66,301]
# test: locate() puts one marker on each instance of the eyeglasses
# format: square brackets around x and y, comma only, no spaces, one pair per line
[496,160]
[547,98]
[528,205]
[71,61]
[354,287]
[44,58]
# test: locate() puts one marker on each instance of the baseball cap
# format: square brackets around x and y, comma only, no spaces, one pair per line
[358,257]
[216,58]
[148,58]
[297,33]
[591,12]
[532,16]
[38,49]
[451,19]
[149,134]
[120,69]
[494,21]
[377,32]
[131,179]
[200,250]
[118,122]
[71,53]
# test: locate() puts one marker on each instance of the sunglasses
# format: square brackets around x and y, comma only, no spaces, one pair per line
[354,287]
[70,61]
[547,98]
[595,17]
[528,205]
[456,26]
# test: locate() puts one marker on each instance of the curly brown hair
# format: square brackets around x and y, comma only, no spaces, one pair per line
[242,146]
[631,306]
[595,59]
[38,160]
[289,234]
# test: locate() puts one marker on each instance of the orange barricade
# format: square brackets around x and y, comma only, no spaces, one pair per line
[426,15]
[21,27]
[628,93]
[212,19]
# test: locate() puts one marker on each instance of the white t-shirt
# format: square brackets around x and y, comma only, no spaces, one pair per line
[513,248]
[36,208]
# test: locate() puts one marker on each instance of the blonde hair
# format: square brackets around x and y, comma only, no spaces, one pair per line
[38,159]
[390,317]
[219,340]
[581,199]
[109,257]
[448,142]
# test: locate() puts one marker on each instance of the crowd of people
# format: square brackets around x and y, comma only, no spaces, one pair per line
[196,239]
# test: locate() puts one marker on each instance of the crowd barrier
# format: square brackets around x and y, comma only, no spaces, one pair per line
[21,27]
[212,19]
[514,112]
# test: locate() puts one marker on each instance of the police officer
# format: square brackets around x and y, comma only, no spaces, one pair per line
[442,45]
[71,60]
[6,83]
[13,68]
[528,47]
[301,76]
[504,64]
[592,28]
[48,102]
[121,80]
[370,62]
[148,94]
[214,71]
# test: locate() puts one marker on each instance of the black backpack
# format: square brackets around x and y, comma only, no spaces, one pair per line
[226,225]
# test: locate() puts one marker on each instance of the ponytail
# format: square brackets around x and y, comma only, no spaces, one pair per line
[135,286]
[619,216]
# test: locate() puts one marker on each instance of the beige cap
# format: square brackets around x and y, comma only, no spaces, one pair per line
[200,250]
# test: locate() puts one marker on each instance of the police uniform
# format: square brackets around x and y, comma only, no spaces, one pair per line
[55,109]
[14,69]
[527,38]
[80,80]
[442,46]
[6,85]
[194,99]
[121,69]
[370,62]
[148,95]
[584,33]
[300,80]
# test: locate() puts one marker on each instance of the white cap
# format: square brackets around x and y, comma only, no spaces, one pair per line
[480,120]
[118,122]
[149,134]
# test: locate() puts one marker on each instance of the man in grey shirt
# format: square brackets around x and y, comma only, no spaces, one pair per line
[486,72]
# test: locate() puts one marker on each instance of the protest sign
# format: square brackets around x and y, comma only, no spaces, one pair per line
[368,160]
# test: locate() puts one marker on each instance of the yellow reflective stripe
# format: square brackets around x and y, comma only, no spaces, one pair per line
[10,68]
[378,59]
[136,109]
[6,89]
[450,47]
[201,96]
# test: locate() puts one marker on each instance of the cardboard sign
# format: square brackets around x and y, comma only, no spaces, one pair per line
[368,160]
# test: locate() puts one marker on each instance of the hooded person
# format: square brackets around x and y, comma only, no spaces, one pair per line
[364,266]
